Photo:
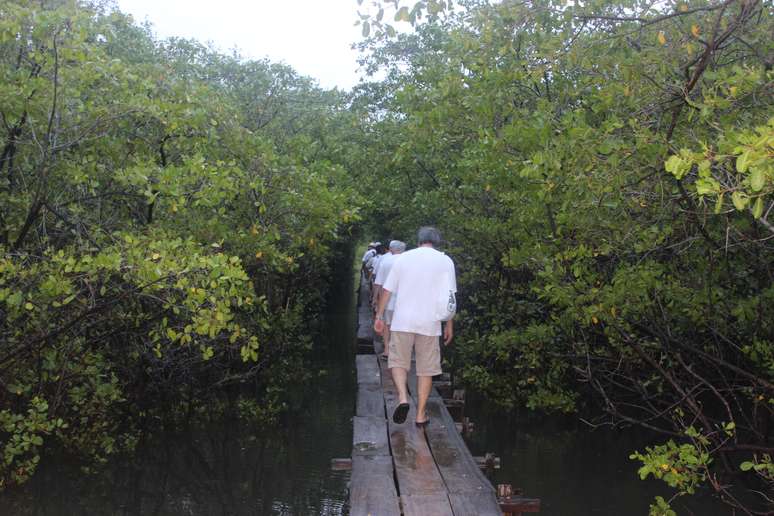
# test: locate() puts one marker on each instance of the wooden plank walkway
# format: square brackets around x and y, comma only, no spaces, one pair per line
[403,469]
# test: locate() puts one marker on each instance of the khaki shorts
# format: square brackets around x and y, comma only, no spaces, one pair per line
[427,349]
[388,317]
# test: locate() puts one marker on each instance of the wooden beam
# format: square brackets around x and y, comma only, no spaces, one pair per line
[372,490]
[519,504]
[341,464]
[370,401]
[367,370]
[489,461]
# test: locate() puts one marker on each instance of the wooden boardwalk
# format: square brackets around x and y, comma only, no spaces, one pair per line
[402,469]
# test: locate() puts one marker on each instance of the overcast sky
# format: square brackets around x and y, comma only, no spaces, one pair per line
[312,36]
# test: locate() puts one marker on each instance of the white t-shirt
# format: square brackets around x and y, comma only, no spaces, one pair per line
[383,269]
[377,260]
[368,254]
[372,261]
[414,281]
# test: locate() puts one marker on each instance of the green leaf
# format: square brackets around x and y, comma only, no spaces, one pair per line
[740,200]
[366,29]
[743,161]
[677,166]
[705,168]
[719,204]
[757,210]
[706,186]
[746,466]
[757,179]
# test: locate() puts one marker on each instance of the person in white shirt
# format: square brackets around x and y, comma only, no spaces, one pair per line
[381,252]
[415,280]
[370,252]
[383,269]
[373,261]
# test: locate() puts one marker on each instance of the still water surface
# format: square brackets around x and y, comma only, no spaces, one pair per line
[229,468]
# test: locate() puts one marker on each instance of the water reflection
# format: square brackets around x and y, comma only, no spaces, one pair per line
[223,469]
[226,467]
[574,470]
[230,468]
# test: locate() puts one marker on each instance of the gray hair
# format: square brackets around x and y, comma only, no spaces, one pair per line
[428,235]
[397,246]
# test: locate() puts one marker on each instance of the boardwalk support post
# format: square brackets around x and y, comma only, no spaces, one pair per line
[488,462]
[341,464]
[512,503]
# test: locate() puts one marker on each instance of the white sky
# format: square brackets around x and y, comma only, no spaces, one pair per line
[312,36]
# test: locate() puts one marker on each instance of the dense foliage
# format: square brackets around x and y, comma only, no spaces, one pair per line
[603,173]
[167,216]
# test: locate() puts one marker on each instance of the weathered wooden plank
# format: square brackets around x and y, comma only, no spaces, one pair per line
[479,504]
[370,401]
[378,345]
[372,490]
[458,467]
[365,348]
[367,369]
[415,468]
[364,314]
[369,436]
[365,322]
[427,505]
[519,505]
[425,474]
[459,470]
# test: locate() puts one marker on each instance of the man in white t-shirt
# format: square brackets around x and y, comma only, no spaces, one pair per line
[415,279]
[383,269]
[371,251]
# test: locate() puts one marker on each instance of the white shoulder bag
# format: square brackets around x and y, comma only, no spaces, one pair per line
[446,301]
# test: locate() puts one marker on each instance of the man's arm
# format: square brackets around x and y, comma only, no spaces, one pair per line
[377,293]
[448,332]
[384,298]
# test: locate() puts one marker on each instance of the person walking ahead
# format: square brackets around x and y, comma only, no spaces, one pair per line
[385,266]
[415,279]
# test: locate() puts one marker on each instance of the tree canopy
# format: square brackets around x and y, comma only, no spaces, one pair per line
[167,220]
[602,172]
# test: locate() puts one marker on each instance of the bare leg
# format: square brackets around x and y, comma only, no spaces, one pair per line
[424,385]
[399,377]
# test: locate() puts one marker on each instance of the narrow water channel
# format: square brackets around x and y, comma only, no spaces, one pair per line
[228,468]
[574,470]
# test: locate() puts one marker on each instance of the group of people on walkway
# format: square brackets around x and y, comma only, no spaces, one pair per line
[409,291]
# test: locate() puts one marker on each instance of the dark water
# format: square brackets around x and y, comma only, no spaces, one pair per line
[230,468]
[574,470]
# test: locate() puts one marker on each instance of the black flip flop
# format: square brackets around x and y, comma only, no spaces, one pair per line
[401,411]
